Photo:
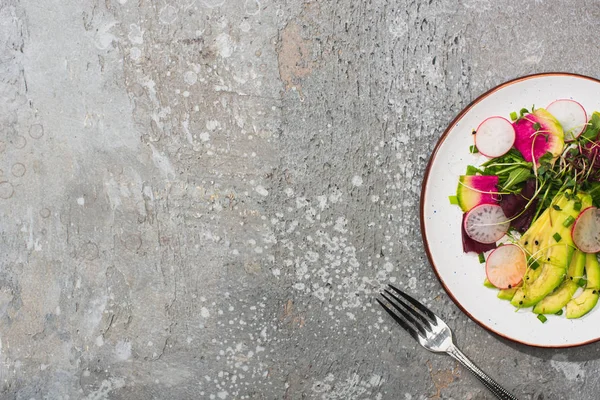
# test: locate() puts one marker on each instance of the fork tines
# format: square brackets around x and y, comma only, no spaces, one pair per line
[418,319]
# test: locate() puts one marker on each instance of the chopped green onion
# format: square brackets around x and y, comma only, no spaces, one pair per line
[557,208]
[473,149]
[471,170]
[577,206]
[534,265]
[537,126]
[481,258]
[557,237]
[513,116]
[567,223]
[542,318]
[581,282]
[453,199]
[523,111]
[559,312]
[488,284]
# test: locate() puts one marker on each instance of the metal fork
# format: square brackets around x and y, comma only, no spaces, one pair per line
[433,334]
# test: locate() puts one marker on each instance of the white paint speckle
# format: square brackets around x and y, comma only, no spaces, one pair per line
[204,136]
[136,34]
[299,286]
[190,77]
[81,201]
[168,14]
[357,180]
[212,124]
[252,7]
[276,271]
[103,38]
[99,341]
[261,190]
[374,198]
[245,26]
[204,313]
[322,202]
[397,27]
[213,3]
[163,163]
[375,380]
[412,282]
[135,53]
[224,45]
[123,350]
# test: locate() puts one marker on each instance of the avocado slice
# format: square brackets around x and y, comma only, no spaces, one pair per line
[530,240]
[587,300]
[555,301]
[556,253]
[507,294]
[531,294]
[582,304]
[488,284]
[592,270]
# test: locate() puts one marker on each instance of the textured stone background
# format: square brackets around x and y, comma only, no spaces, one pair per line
[199,198]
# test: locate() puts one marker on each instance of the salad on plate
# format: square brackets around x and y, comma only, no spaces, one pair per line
[531,209]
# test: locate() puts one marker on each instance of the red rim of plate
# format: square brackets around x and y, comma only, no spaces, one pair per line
[424,190]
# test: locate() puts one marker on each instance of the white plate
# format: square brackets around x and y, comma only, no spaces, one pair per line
[461,274]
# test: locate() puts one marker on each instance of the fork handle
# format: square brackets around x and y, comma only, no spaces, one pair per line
[489,383]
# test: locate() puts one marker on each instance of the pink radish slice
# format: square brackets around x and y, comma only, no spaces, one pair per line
[571,115]
[494,137]
[586,230]
[486,223]
[506,266]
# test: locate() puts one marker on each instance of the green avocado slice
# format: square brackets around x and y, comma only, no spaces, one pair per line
[556,300]
[592,270]
[557,253]
[507,294]
[582,304]
[587,300]
[548,280]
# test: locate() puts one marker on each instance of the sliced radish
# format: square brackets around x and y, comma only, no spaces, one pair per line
[506,266]
[571,115]
[474,190]
[486,223]
[494,137]
[586,230]
[538,133]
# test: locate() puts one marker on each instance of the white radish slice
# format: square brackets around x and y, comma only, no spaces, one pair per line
[486,223]
[586,230]
[506,266]
[494,137]
[571,115]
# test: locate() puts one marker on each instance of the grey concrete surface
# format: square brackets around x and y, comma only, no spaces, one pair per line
[199,198]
